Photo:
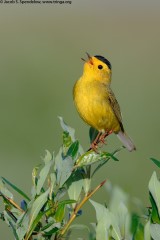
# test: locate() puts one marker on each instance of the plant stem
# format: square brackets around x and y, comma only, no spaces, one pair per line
[12,202]
[78,207]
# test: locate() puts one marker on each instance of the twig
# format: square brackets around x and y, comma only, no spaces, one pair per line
[78,207]
[12,202]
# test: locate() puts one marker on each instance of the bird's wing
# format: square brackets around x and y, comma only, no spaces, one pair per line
[115,107]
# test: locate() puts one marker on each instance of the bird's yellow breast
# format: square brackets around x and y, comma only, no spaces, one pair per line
[91,100]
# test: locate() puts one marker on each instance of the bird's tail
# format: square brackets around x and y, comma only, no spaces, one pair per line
[127,142]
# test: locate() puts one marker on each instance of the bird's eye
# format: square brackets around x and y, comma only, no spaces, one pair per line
[100,66]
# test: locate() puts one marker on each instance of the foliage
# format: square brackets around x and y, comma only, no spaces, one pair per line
[62,185]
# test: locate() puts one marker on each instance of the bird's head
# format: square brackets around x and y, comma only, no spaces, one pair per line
[98,68]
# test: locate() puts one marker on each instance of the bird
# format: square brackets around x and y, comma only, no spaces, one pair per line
[96,102]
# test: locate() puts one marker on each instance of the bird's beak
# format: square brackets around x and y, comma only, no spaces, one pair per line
[89,59]
[88,55]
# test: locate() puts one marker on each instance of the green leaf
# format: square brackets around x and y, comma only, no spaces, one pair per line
[117,196]
[13,215]
[80,227]
[40,237]
[147,235]
[68,201]
[35,209]
[87,184]
[60,193]
[105,222]
[44,172]
[123,220]
[16,188]
[67,140]
[154,188]
[155,231]
[154,214]
[117,206]
[4,190]
[93,134]
[48,157]
[36,222]
[106,159]
[59,215]
[134,223]
[67,128]
[70,146]
[8,218]
[157,162]
[35,173]
[75,185]
[53,230]
[73,149]
[63,168]
[47,225]
[139,234]
[89,158]
[52,184]
[14,231]
[92,235]
[22,224]
[111,156]
[52,226]
[11,222]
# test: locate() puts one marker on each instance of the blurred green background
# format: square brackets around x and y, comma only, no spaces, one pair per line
[40,51]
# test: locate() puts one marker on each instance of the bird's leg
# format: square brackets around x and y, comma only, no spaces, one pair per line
[104,135]
[94,144]
[100,138]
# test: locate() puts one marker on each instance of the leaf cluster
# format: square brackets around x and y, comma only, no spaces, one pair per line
[62,184]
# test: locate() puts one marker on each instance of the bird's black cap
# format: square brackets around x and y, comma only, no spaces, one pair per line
[104,60]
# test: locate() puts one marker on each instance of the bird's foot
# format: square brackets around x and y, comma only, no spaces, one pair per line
[102,139]
[94,146]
